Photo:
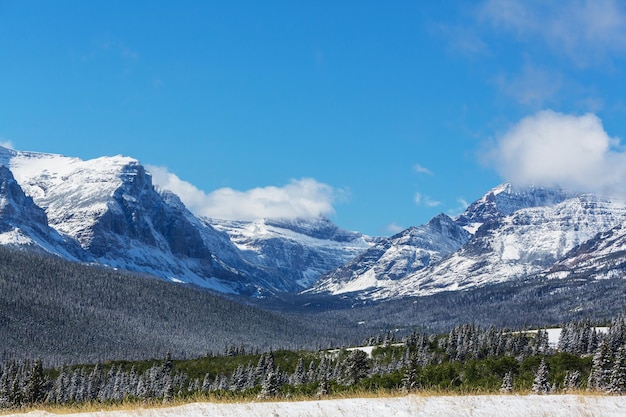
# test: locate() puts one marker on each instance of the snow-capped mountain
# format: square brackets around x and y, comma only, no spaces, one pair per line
[106,210]
[300,250]
[394,258]
[516,233]
[110,207]
[24,224]
[603,256]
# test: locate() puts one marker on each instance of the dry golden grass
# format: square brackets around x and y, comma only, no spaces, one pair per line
[233,399]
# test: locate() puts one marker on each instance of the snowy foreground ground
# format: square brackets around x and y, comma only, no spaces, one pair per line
[487,405]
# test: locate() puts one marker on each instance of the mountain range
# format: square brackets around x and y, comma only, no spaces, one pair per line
[108,212]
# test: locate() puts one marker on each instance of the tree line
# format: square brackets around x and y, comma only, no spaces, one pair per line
[466,359]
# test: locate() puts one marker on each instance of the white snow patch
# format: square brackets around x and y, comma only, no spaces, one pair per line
[363,282]
[472,227]
[554,334]
[409,406]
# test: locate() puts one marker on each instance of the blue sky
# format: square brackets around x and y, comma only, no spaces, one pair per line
[378,115]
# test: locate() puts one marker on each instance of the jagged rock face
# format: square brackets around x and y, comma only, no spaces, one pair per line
[394,258]
[298,250]
[15,207]
[110,207]
[517,232]
[505,200]
[24,224]
[137,212]
[603,256]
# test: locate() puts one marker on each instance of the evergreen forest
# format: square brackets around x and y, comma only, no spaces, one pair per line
[468,359]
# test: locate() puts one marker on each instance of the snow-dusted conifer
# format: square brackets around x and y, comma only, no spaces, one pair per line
[600,368]
[617,380]
[410,379]
[206,383]
[540,383]
[507,383]
[571,381]
[299,376]
[271,385]
[34,387]
[355,367]
[239,379]
[323,388]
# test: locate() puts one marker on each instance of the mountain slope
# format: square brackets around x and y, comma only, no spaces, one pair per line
[517,232]
[66,312]
[110,207]
[393,258]
[299,250]
[603,256]
[23,224]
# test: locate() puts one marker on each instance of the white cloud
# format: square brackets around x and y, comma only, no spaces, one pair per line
[587,31]
[304,197]
[550,148]
[462,205]
[420,199]
[422,170]
[6,143]
[394,228]
[432,203]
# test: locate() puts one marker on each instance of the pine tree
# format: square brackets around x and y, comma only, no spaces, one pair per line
[238,379]
[571,381]
[410,379]
[271,385]
[323,388]
[355,367]
[542,345]
[507,383]
[540,383]
[94,383]
[206,383]
[600,369]
[617,380]
[34,387]
[299,376]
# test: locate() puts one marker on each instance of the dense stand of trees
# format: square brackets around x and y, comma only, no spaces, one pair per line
[67,313]
[466,359]
[64,312]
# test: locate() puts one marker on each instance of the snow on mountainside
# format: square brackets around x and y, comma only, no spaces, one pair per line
[517,232]
[393,258]
[300,250]
[603,256]
[24,224]
[108,211]
[109,206]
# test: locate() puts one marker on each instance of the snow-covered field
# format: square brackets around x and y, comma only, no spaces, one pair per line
[476,406]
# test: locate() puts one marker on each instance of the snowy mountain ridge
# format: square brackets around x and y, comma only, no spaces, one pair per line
[109,212]
[106,210]
[302,249]
[515,233]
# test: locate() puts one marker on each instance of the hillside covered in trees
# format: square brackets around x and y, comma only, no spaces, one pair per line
[64,312]
[68,313]
[468,359]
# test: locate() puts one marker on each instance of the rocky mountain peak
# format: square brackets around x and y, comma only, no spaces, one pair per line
[15,206]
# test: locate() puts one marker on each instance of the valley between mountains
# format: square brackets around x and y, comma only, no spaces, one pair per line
[95,245]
